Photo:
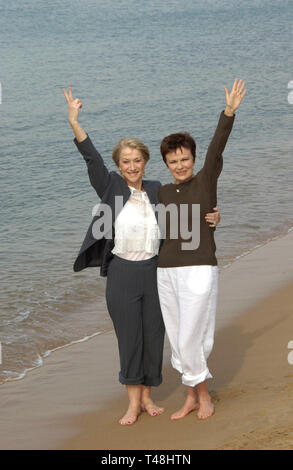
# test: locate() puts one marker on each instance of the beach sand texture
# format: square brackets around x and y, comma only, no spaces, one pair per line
[74,401]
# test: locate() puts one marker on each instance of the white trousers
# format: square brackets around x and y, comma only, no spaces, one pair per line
[188,298]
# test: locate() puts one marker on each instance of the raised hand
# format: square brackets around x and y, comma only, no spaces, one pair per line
[234,98]
[73,106]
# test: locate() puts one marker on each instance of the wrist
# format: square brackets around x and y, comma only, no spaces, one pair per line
[73,122]
[229,111]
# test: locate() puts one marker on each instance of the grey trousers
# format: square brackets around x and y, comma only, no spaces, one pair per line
[134,307]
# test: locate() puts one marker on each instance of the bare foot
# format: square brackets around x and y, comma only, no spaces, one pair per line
[130,416]
[206,409]
[151,408]
[191,404]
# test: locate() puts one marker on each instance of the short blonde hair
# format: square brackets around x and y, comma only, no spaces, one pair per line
[133,143]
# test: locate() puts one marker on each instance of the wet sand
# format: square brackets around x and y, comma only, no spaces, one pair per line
[74,401]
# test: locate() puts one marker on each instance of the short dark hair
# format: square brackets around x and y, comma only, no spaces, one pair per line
[175,141]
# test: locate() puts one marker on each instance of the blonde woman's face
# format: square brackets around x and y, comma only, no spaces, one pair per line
[131,166]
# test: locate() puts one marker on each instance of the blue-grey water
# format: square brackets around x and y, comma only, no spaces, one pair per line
[142,69]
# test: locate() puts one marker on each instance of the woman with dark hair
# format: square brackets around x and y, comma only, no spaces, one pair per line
[188,279]
[128,257]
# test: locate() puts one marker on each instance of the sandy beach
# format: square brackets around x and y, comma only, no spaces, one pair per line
[74,401]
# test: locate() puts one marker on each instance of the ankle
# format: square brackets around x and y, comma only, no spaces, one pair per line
[204,398]
[146,393]
[146,400]
[191,392]
[134,405]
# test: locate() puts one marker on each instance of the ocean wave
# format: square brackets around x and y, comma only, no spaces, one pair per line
[8,376]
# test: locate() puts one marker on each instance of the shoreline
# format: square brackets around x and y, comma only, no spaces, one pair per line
[75,395]
[44,354]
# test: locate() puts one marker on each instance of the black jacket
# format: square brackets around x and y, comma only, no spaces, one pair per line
[93,251]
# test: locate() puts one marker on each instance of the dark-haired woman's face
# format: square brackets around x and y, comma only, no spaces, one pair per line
[180,164]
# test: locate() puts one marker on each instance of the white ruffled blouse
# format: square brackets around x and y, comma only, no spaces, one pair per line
[137,234]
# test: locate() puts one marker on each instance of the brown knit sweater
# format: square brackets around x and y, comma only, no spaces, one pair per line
[200,189]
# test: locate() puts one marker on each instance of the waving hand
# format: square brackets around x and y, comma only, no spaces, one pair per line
[234,98]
